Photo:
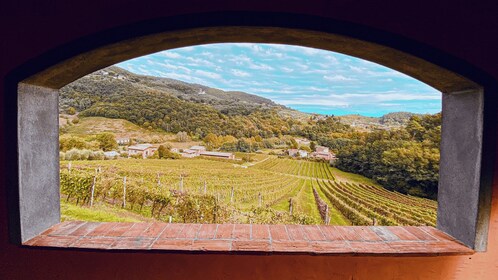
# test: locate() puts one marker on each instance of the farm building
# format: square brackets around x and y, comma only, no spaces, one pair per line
[145,150]
[297,153]
[324,153]
[321,149]
[198,149]
[111,154]
[217,154]
[189,153]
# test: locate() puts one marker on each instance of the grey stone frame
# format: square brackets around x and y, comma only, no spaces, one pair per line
[467,146]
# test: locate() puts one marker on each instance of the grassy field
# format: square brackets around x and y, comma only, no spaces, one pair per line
[202,190]
[89,126]
[98,213]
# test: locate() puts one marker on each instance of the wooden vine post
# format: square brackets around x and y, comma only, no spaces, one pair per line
[290,206]
[231,196]
[327,214]
[93,190]
[124,192]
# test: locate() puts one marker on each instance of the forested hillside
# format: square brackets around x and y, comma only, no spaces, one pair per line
[405,160]
[173,106]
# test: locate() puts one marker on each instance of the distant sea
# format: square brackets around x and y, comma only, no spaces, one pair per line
[369,111]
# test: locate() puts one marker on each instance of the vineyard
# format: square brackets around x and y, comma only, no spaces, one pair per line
[273,190]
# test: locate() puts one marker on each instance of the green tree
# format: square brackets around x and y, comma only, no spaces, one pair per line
[212,141]
[243,146]
[67,143]
[164,152]
[313,146]
[293,144]
[182,136]
[107,141]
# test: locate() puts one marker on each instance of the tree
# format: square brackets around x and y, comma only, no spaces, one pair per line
[182,136]
[166,153]
[212,141]
[243,146]
[305,148]
[293,144]
[107,141]
[67,143]
[313,146]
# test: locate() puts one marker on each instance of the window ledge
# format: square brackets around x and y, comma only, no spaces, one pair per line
[261,239]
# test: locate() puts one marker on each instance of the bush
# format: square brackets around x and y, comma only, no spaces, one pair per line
[71,111]
[67,143]
[76,154]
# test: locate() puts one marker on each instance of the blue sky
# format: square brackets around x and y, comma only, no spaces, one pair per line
[305,79]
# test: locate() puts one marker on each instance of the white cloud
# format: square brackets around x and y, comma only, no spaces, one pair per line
[260,66]
[167,65]
[240,73]
[208,54]
[289,75]
[199,62]
[183,77]
[208,74]
[338,78]
[357,69]
[170,54]
[287,69]
[371,99]
[316,71]
[331,59]
[310,51]
[240,59]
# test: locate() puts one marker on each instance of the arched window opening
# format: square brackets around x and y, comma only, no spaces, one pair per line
[459,175]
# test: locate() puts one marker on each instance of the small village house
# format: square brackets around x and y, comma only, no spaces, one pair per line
[145,150]
[111,154]
[324,153]
[198,149]
[189,153]
[297,153]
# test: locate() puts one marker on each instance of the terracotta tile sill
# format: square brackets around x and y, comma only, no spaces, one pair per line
[260,239]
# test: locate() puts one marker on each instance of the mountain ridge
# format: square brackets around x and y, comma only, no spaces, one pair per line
[112,84]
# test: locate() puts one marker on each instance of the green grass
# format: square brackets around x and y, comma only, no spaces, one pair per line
[253,156]
[306,201]
[100,213]
[95,125]
[283,205]
[336,217]
[353,178]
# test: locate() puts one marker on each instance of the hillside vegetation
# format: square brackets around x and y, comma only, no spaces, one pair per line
[401,153]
